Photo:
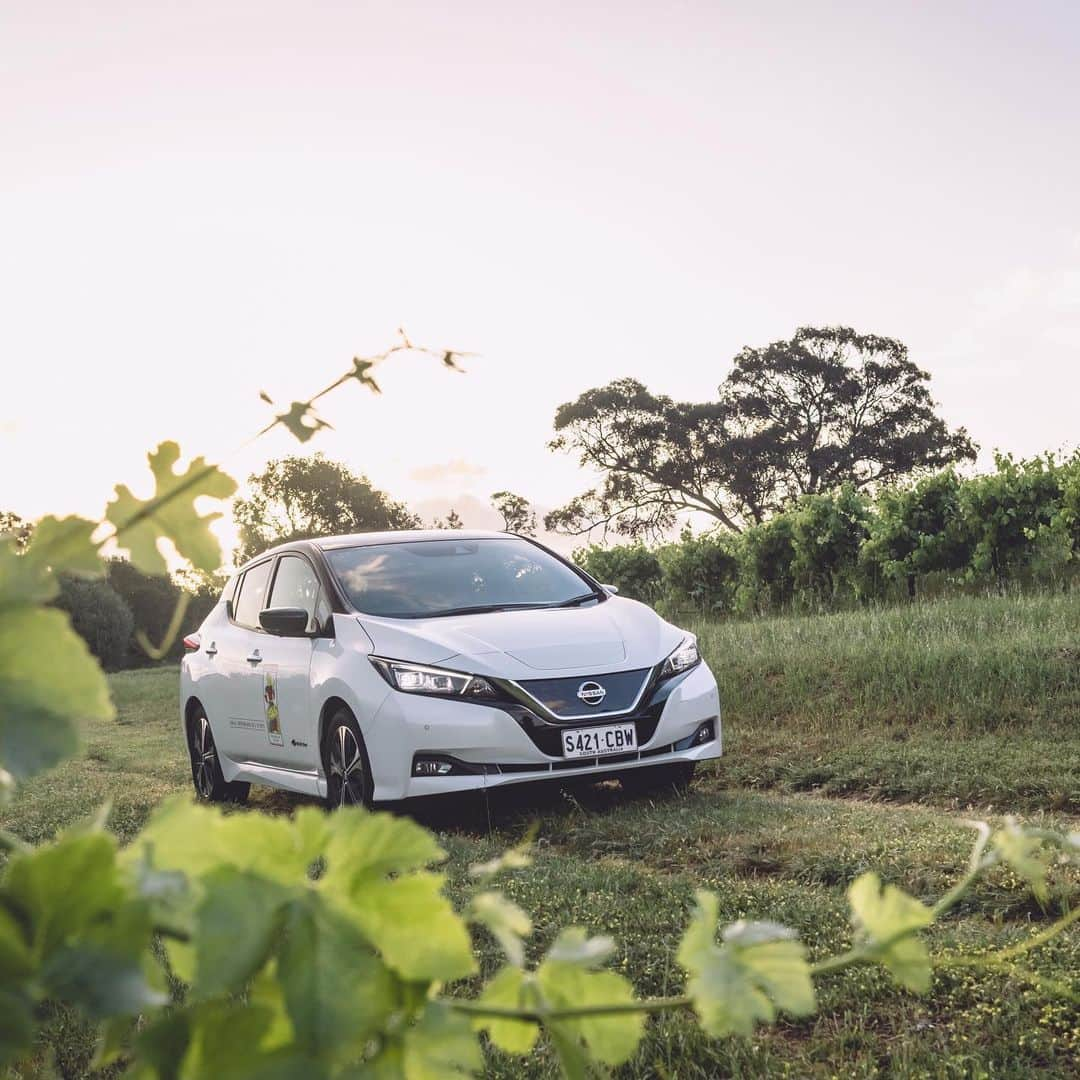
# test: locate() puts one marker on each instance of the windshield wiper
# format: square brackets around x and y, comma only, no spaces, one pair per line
[475,609]
[577,601]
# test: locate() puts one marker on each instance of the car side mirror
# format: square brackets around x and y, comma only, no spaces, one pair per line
[285,621]
[612,589]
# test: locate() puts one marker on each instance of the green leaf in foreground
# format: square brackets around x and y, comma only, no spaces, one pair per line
[760,968]
[38,709]
[170,512]
[238,924]
[338,993]
[505,921]
[510,988]
[566,980]
[64,545]
[417,931]
[441,1044]
[1026,855]
[886,919]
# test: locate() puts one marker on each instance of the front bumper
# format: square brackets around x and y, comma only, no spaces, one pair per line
[507,744]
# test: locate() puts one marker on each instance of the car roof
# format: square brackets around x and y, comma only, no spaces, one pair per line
[400,536]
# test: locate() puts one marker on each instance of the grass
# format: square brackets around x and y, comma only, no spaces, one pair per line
[966,702]
[896,708]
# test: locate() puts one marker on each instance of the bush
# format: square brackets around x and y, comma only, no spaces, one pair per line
[1019,524]
[827,532]
[766,580]
[633,568]
[152,599]
[1007,511]
[703,570]
[99,616]
[914,532]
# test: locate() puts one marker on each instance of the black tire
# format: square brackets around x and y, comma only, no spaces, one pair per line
[345,760]
[206,775]
[675,777]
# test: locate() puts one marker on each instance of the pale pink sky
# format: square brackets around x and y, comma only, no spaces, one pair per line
[200,201]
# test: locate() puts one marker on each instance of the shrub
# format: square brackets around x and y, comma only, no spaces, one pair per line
[916,531]
[766,580]
[633,568]
[827,532]
[1005,512]
[100,617]
[703,570]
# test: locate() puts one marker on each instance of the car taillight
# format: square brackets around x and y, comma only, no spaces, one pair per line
[192,642]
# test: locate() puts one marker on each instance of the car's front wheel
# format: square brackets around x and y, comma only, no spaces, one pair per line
[206,775]
[348,779]
[674,777]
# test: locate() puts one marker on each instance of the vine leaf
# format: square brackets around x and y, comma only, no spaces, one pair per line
[505,921]
[441,1044]
[65,545]
[237,927]
[510,988]
[759,968]
[365,845]
[337,991]
[302,420]
[170,513]
[567,978]
[389,913]
[39,710]
[882,916]
[361,371]
[1024,854]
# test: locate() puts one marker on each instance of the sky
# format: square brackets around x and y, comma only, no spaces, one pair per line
[200,202]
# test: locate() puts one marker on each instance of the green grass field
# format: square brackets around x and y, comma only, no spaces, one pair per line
[853,741]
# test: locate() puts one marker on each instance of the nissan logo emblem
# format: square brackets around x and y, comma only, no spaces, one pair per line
[592,693]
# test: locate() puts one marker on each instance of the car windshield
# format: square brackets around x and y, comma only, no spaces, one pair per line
[426,578]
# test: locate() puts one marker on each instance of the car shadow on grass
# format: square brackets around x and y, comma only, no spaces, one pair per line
[494,810]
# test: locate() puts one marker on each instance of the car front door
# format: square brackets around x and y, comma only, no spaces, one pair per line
[285,670]
[236,713]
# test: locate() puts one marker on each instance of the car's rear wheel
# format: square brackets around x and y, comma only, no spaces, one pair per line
[675,777]
[206,775]
[348,776]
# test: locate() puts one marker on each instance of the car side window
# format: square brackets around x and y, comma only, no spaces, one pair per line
[251,601]
[296,585]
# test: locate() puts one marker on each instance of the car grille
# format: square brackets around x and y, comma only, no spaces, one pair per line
[622,689]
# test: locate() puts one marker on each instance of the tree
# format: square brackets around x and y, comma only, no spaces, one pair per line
[451,521]
[13,526]
[299,497]
[99,616]
[517,514]
[799,417]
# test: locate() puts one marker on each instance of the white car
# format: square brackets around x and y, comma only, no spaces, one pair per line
[384,666]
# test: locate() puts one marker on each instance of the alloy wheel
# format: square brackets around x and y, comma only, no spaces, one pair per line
[203,758]
[347,768]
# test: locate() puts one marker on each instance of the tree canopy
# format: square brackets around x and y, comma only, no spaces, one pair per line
[517,513]
[828,407]
[299,497]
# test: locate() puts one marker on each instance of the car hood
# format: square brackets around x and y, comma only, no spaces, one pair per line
[613,635]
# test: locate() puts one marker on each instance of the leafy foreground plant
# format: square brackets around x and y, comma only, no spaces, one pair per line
[244,946]
[323,946]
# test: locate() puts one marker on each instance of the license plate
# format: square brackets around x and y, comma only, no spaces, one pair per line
[597,741]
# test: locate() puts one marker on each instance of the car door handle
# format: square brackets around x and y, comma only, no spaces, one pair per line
[255,658]
[211,649]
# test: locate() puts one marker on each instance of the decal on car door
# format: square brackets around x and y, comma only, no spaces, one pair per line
[271,710]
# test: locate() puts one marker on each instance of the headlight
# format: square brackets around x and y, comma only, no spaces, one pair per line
[417,679]
[682,659]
